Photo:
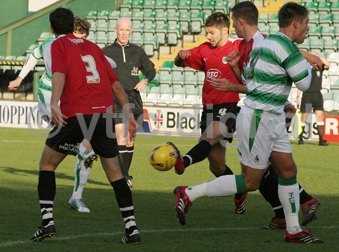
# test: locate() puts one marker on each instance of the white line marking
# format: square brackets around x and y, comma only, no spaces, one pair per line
[149,231]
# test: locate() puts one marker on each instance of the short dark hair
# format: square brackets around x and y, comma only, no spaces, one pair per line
[62,21]
[81,25]
[247,11]
[289,12]
[218,19]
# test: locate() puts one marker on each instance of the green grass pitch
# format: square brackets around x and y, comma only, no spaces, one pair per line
[212,226]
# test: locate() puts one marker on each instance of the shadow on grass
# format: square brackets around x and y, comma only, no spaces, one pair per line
[15,171]
[211,224]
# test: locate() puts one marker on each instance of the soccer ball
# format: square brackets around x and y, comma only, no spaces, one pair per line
[163,157]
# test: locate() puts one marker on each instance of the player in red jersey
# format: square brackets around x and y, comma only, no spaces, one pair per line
[218,59]
[84,83]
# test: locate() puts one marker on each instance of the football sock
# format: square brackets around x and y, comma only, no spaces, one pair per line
[198,153]
[321,131]
[221,186]
[125,158]
[81,172]
[288,191]
[269,190]
[304,196]
[81,176]
[302,130]
[129,157]
[228,171]
[46,190]
[123,196]
[122,157]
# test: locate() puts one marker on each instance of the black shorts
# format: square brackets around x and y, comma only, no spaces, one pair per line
[100,134]
[136,105]
[226,112]
[311,102]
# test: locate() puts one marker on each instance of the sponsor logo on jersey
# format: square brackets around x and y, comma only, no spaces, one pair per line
[213,73]
[77,41]
[135,71]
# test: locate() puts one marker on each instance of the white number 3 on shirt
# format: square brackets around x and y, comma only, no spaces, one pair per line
[91,68]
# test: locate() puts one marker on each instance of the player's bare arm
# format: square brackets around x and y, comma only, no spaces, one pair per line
[226,85]
[58,83]
[29,66]
[15,84]
[317,62]
[141,85]
[233,60]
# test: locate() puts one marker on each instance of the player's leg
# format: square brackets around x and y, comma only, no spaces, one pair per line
[288,191]
[231,184]
[54,152]
[320,117]
[123,197]
[201,150]
[218,167]
[269,190]
[136,105]
[50,159]
[125,153]
[125,146]
[217,123]
[305,109]
[44,97]
[106,147]
[222,186]
[82,169]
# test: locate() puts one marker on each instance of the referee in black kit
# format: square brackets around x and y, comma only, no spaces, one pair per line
[312,100]
[130,59]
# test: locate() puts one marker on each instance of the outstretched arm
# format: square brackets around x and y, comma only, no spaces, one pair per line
[29,66]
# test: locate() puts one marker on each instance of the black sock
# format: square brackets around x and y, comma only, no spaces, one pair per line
[128,158]
[46,190]
[304,196]
[198,153]
[227,171]
[123,196]
[122,153]
[269,190]
[125,158]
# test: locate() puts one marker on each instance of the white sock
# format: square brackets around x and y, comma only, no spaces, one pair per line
[82,150]
[289,198]
[197,191]
[80,178]
[221,186]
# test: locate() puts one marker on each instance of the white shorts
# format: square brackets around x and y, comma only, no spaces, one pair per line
[44,100]
[259,133]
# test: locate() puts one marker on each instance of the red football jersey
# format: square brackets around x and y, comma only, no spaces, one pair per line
[213,61]
[245,47]
[89,76]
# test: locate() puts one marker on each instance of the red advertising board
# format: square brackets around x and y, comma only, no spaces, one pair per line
[332,128]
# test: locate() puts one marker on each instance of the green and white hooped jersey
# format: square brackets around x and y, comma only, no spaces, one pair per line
[272,68]
[43,51]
